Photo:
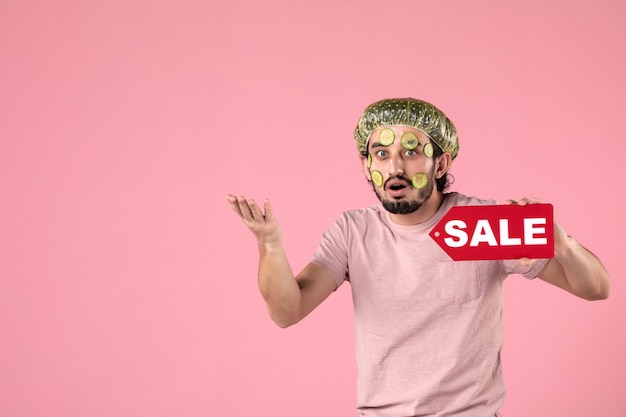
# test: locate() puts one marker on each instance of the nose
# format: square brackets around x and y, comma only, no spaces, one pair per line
[396,166]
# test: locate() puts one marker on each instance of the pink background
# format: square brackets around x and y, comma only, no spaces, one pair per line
[127,286]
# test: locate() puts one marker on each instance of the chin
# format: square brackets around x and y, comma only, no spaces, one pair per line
[401,206]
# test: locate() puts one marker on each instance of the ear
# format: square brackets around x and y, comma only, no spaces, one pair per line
[366,170]
[444,162]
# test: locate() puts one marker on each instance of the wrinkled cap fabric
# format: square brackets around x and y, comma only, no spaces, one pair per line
[407,112]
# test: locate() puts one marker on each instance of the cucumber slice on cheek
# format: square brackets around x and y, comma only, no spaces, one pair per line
[386,136]
[369,160]
[419,180]
[377,178]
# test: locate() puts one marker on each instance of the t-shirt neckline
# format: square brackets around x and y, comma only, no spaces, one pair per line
[447,202]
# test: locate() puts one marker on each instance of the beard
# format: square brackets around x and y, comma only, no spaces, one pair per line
[401,207]
[407,206]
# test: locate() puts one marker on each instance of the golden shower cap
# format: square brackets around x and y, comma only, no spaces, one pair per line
[407,112]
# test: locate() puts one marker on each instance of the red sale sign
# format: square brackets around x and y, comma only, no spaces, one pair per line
[496,232]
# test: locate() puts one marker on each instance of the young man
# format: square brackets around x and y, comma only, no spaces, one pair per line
[428,329]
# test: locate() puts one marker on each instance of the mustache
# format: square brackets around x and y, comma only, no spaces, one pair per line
[396,177]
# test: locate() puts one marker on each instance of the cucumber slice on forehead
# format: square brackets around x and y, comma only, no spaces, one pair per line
[386,136]
[428,150]
[409,140]
[377,178]
[419,180]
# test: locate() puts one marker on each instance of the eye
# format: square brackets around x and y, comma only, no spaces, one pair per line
[381,153]
[410,153]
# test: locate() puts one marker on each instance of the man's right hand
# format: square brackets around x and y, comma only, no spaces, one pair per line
[289,299]
[262,224]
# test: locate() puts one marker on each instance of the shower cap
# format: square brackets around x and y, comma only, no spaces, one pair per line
[407,112]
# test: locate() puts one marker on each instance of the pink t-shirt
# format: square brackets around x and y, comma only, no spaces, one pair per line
[428,329]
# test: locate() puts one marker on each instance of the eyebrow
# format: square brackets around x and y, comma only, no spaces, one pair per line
[378,145]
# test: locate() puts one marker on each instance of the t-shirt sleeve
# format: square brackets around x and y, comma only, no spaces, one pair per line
[513,266]
[332,254]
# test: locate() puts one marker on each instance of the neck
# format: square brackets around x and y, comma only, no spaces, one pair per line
[425,212]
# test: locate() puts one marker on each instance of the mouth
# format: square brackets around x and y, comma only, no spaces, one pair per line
[396,188]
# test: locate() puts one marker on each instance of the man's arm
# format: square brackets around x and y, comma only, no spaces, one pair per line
[289,298]
[574,268]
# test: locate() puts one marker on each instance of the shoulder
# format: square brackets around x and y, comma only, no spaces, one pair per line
[365,214]
[458,199]
[355,220]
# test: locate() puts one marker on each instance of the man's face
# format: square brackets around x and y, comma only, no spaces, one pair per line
[401,167]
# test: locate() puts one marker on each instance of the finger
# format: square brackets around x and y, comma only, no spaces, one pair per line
[533,200]
[527,261]
[529,200]
[234,204]
[244,207]
[256,212]
[269,213]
